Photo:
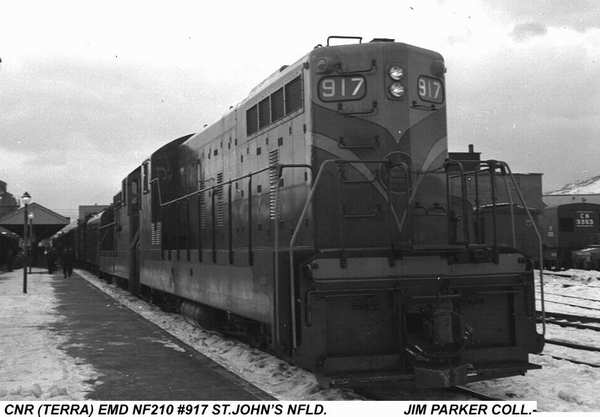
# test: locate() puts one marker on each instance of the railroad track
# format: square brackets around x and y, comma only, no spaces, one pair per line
[572,296]
[573,318]
[571,305]
[575,361]
[566,343]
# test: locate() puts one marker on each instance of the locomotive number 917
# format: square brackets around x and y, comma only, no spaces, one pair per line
[430,89]
[342,88]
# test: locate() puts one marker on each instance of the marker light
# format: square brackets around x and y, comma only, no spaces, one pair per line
[396,72]
[397,90]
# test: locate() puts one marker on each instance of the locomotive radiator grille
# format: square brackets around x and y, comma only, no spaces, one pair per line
[156,233]
[202,207]
[273,182]
[220,206]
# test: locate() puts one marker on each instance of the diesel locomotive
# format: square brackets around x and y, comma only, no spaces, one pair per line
[319,216]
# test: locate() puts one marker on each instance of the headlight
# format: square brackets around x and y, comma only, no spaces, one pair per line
[396,72]
[397,90]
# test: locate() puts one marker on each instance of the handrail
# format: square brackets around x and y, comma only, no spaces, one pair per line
[539,237]
[276,246]
[463,192]
[512,211]
[193,193]
[291,250]
[294,237]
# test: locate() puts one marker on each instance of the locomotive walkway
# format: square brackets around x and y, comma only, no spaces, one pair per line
[133,358]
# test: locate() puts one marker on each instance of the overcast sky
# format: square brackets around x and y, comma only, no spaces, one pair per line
[87,90]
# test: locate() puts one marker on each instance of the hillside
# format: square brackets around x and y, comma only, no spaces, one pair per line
[589,186]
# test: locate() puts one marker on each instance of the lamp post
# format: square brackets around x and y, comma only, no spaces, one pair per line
[26,198]
[31,249]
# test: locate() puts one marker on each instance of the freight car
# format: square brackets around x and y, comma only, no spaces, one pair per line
[567,228]
[317,217]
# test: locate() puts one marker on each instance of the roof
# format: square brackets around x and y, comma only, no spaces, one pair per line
[41,216]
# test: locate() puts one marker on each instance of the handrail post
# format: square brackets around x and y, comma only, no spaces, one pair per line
[477,215]
[512,211]
[291,250]
[492,168]
[276,260]
[250,254]
[463,192]
[540,244]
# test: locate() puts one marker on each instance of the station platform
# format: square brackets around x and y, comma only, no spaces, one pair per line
[132,358]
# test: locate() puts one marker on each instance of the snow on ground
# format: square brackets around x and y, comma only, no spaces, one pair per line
[32,365]
[560,287]
[270,374]
[561,385]
[558,386]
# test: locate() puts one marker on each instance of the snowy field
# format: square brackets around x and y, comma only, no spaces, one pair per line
[34,366]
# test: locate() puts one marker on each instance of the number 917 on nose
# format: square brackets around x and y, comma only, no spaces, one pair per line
[341,88]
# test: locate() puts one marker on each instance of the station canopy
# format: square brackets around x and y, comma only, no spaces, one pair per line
[45,222]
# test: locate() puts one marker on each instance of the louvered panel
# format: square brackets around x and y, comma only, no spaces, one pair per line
[156,233]
[220,206]
[273,182]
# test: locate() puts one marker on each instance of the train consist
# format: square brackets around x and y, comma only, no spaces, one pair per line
[322,218]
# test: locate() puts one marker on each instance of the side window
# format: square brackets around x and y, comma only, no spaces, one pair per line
[277,109]
[293,96]
[264,113]
[251,120]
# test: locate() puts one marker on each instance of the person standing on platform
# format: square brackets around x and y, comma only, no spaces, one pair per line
[50,259]
[67,262]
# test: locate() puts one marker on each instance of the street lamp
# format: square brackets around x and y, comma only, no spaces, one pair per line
[31,241]
[26,198]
